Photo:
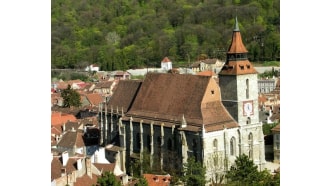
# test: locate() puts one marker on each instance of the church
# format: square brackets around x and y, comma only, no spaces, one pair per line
[174,117]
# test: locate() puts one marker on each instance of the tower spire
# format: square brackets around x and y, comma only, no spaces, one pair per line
[236,29]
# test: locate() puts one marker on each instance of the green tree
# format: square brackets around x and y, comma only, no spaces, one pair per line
[142,182]
[244,172]
[71,98]
[108,179]
[194,173]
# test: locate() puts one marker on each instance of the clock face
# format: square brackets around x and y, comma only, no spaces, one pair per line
[247,108]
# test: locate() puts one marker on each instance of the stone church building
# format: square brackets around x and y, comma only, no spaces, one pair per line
[177,116]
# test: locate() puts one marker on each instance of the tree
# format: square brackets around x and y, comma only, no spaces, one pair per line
[216,163]
[108,179]
[142,182]
[245,172]
[194,173]
[71,98]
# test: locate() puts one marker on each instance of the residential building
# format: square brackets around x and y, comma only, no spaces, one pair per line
[166,64]
[214,65]
[92,67]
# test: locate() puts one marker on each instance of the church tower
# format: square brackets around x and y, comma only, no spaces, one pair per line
[238,82]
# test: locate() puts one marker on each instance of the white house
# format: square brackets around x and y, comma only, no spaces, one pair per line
[92,67]
[166,64]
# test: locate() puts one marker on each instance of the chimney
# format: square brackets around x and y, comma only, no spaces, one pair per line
[65,158]
[63,126]
[89,167]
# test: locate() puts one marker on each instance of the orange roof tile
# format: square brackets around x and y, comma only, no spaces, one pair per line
[94,98]
[206,73]
[158,180]
[166,60]
[59,118]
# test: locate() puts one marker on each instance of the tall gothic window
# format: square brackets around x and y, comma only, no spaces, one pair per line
[138,141]
[149,143]
[169,144]
[239,142]
[247,89]
[215,145]
[195,148]
[232,146]
[251,146]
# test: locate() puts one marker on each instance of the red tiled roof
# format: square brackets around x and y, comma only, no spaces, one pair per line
[158,180]
[105,166]
[94,98]
[166,60]
[206,73]
[86,180]
[59,118]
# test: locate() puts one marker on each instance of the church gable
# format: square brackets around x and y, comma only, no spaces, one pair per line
[168,97]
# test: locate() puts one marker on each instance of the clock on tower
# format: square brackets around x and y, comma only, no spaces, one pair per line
[248,108]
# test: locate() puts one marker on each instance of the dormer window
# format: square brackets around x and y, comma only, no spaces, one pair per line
[242,67]
[248,66]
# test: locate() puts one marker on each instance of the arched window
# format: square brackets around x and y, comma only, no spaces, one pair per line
[215,145]
[232,146]
[138,141]
[248,121]
[251,146]
[247,88]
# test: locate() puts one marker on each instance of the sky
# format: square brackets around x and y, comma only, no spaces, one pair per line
[25,56]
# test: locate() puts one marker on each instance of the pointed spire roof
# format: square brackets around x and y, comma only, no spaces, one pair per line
[237,45]
[237,62]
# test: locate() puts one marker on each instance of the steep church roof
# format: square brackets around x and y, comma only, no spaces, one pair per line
[237,62]
[167,97]
[124,95]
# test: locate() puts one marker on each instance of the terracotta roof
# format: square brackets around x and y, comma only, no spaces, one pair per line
[56,166]
[94,98]
[166,60]
[71,138]
[158,180]
[56,130]
[124,95]
[86,180]
[262,99]
[238,66]
[105,166]
[167,97]
[59,118]
[103,84]
[206,73]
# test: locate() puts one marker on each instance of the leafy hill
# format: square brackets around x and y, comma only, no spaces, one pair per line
[123,34]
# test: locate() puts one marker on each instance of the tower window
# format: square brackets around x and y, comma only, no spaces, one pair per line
[247,88]
[212,92]
[215,145]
